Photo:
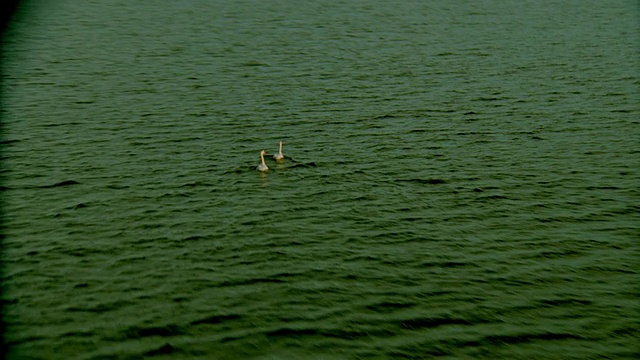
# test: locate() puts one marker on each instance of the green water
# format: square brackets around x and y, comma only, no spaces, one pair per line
[460,181]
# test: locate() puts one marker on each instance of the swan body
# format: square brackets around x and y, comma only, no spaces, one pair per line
[263,166]
[279,155]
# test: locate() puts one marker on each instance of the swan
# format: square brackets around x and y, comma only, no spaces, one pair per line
[263,166]
[279,155]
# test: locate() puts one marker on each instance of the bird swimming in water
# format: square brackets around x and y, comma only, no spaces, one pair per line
[279,155]
[263,166]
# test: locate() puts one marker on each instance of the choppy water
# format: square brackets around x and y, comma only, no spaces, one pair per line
[461,180]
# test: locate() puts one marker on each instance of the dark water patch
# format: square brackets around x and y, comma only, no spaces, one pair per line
[633,332]
[491,197]
[3,188]
[290,332]
[8,301]
[423,181]
[565,302]
[216,319]
[195,184]
[385,116]
[77,252]
[60,184]
[142,91]
[356,334]
[100,308]
[149,225]
[117,187]
[303,165]
[515,281]
[24,340]
[251,222]
[136,332]
[525,338]
[619,268]
[166,349]
[417,352]
[439,111]
[463,133]
[555,254]
[79,334]
[194,238]
[432,294]
[605,187]
[61,124]
[250,282]
[394,236]
[560,219]
[345,334]
[197,114]
[117,263]
[173,195]
[253,63]
[239,170]
[350,277]
[286,275]
[443,347]
[386,306]
[447,264]
[414,324]
[231,338]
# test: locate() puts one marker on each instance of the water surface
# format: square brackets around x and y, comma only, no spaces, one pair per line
[461,180]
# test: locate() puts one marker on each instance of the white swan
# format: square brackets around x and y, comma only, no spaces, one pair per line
[279,155]
[263,166]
